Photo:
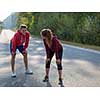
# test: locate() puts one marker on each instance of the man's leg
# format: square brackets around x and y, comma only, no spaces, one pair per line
[25,61]
[27,71]
[24,53]
[13,65]
[12,61]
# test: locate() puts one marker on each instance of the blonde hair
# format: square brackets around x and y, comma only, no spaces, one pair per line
[22,26]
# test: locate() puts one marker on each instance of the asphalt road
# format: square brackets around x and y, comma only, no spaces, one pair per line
[81,67]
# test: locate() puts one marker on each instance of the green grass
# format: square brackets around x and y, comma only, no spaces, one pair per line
[82,45]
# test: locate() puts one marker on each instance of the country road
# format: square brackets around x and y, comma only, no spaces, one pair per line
[81,67]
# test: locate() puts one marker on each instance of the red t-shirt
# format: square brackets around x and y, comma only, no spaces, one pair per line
[20,39]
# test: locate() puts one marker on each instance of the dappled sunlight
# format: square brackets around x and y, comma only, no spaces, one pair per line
[5,65]
[79,69]
[38,41]
[6,36]
[81,66]
[77,61]
[80,73]
[5,69]
[5,58]
[40,48]
[33,44]
[37,59]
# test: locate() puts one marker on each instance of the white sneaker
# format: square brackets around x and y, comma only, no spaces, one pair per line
[28,71]
[13,75]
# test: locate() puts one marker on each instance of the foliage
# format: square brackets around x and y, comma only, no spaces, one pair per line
[78,27]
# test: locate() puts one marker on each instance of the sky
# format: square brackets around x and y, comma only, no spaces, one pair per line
[4,15]
[9,6]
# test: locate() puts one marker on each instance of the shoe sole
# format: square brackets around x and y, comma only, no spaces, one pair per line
[29,73]
[45,80]
[13,76]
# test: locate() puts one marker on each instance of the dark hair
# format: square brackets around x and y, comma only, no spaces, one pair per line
[52,30]
[47,33]
[23,26]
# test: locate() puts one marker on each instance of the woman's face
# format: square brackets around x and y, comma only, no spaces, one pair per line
[44,37]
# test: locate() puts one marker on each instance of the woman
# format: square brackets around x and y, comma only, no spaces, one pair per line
[52,46]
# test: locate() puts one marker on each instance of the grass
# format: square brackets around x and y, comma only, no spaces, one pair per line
[82,45]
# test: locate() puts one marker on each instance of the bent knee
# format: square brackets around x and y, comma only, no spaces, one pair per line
[59,65]
[13,55]
[24,54]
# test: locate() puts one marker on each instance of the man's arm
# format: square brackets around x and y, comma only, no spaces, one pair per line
[14,44]
[27,41]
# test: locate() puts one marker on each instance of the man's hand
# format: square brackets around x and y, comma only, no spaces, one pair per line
[24,51]
[13,53]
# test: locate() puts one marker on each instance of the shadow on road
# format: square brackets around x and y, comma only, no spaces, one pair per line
[80,67]
[49,84]
[76,54]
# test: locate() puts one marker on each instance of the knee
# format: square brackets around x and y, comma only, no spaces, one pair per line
[25,54]
[13,56]
[59,65]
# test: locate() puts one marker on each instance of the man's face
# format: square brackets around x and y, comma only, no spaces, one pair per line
[23,30]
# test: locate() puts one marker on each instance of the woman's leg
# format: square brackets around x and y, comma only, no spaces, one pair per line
[48,61]
[47,67]
[59,65]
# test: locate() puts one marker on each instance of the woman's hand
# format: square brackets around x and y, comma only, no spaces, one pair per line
[48,59]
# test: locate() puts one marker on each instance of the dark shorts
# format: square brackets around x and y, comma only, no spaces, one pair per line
[60,54]
[60,57]
[20,48]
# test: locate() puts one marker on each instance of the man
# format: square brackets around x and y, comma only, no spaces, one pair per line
[20,41]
